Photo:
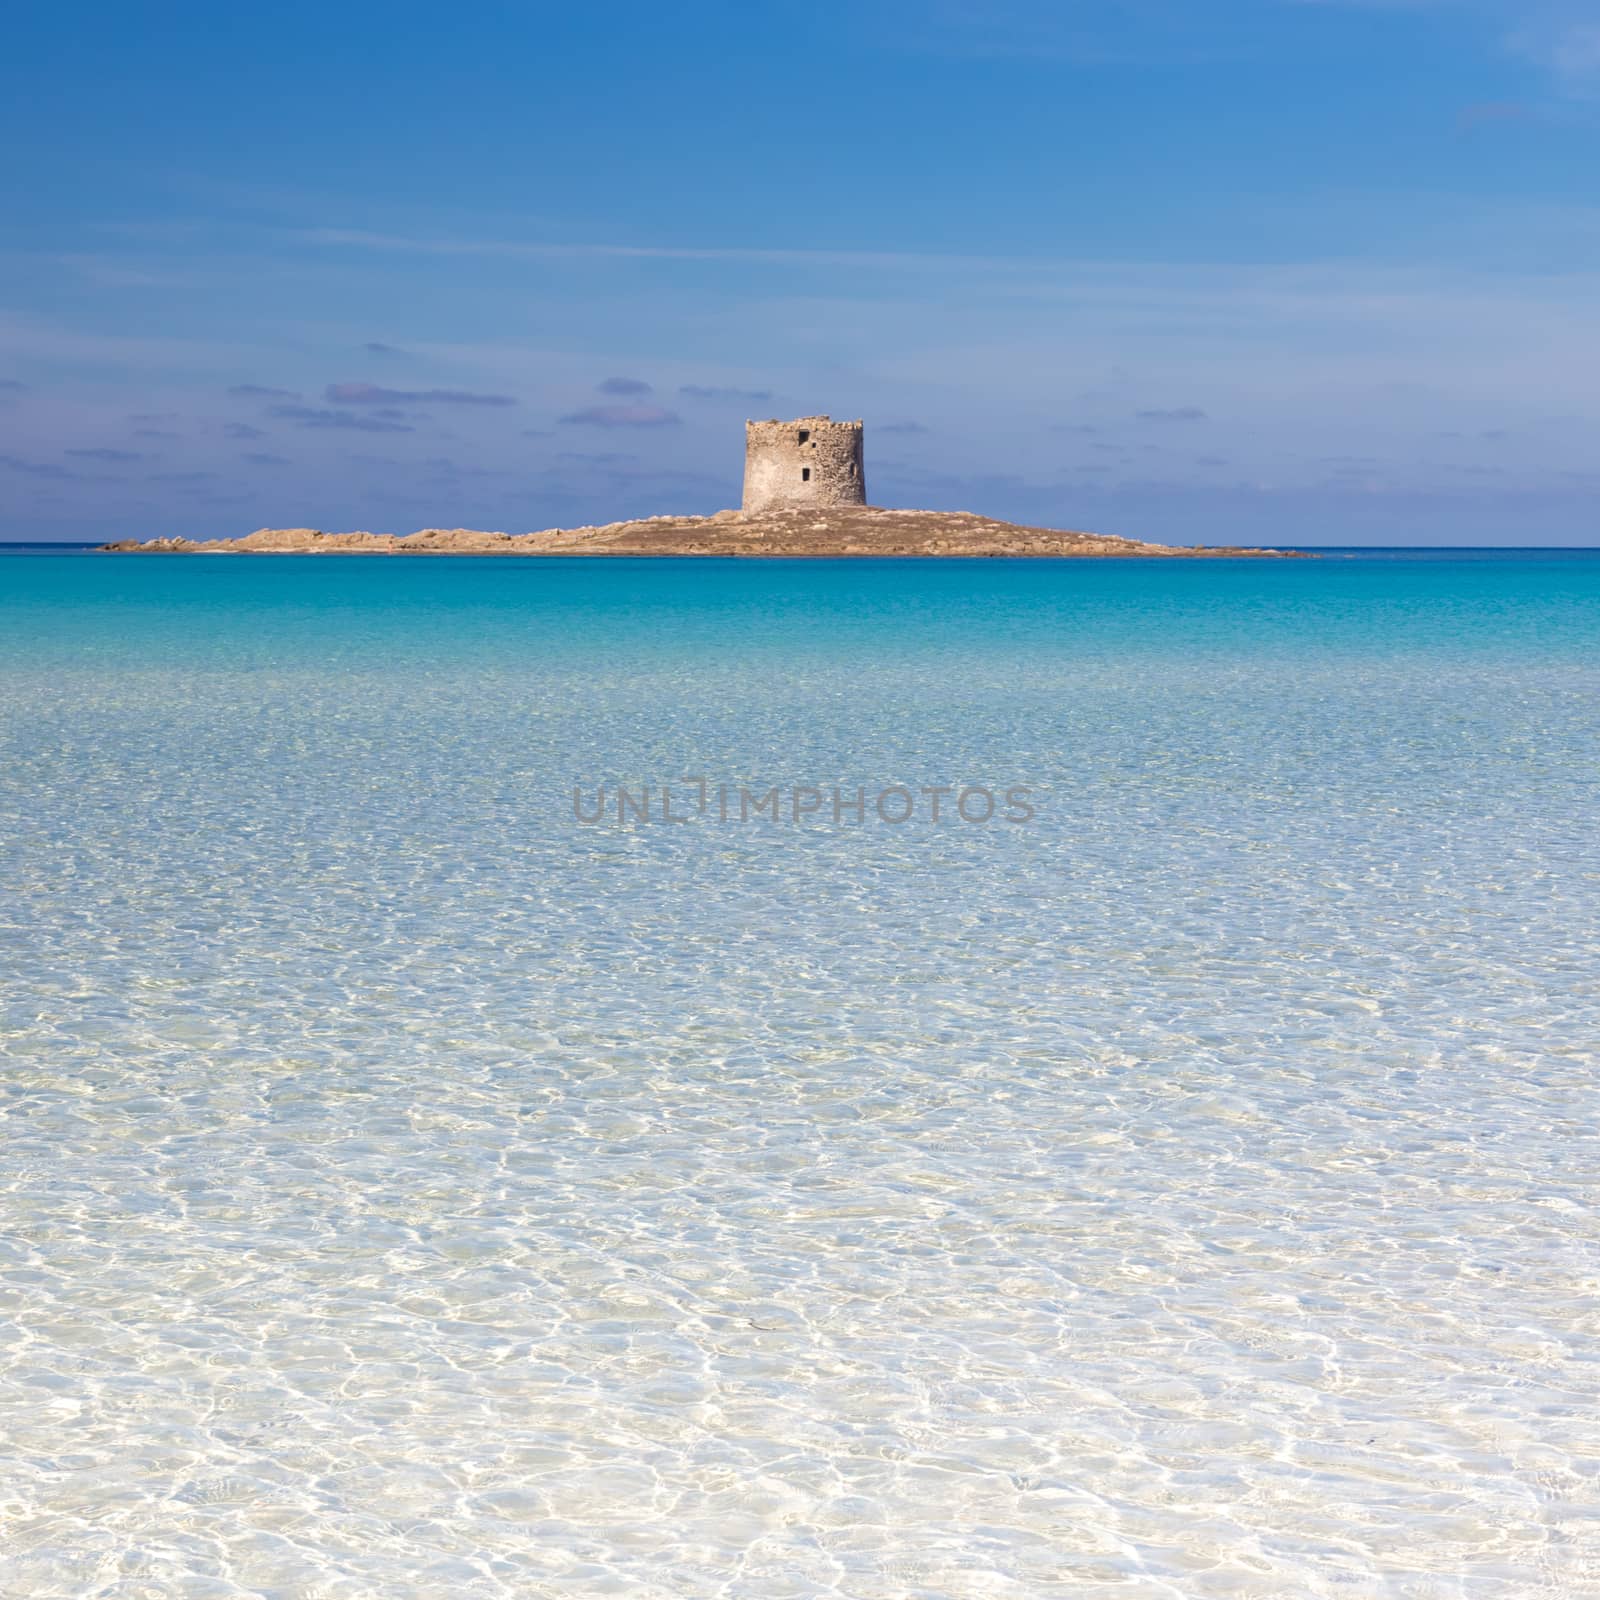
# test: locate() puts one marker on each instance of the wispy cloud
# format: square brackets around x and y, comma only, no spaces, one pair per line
[622,417]
[706,391]
[242,430]
[260,391]
[536,250]
[101,453]
[447,467]
[625,386]
[1572,53]
[1096,33]
[371,394]
[312,417]
[1561,36]
[1174,414]
[261,458]
[11,386]
[375,347]
[39,469]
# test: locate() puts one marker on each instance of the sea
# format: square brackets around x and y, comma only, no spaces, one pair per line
[508,1091]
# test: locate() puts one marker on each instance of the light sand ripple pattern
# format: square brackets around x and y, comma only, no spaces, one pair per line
[409,1193]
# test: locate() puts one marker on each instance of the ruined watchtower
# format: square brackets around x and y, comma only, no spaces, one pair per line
[812,461]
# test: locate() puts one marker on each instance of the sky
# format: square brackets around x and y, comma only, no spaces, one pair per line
[1271,271]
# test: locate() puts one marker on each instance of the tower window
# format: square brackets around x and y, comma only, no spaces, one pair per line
[805,433]
[805,474]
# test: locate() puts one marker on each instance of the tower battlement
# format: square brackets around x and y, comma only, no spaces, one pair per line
[811,461]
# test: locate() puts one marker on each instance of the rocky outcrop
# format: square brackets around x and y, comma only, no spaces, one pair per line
[835,531]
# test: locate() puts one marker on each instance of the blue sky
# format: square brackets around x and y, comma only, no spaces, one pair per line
[1314,271]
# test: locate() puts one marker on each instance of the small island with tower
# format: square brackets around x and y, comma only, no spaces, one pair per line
[805,494]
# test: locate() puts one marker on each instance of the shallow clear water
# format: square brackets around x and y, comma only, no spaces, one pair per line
[408,1190]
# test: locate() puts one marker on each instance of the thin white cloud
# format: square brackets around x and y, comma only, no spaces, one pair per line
[1561,36]
[1570,51]
[534,250]
[369,394]
[622,417]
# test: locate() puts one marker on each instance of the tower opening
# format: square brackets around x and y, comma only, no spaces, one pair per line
[805,474]
[805,433]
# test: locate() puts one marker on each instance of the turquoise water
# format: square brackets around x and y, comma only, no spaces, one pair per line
[407,1189]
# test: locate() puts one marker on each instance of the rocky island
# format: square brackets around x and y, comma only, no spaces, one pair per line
[804,495]
[839,531]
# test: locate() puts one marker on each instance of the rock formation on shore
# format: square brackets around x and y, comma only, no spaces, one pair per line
[838,531]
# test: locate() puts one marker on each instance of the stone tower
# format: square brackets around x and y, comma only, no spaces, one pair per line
[810,462]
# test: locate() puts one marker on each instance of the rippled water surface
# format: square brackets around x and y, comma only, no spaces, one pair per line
[409,1191]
